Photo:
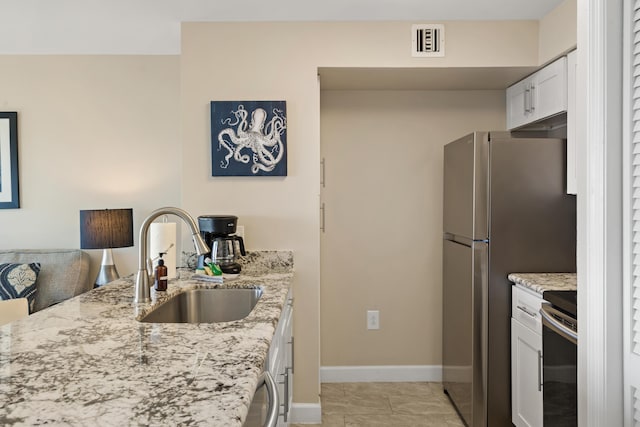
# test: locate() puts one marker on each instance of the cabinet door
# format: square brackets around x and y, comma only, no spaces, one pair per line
[290,356]
[280,361]
[526,376]
[539,96]
[286,377]
[518,110]
[549,90]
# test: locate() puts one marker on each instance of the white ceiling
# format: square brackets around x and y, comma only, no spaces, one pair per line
[153,26]
[371,10]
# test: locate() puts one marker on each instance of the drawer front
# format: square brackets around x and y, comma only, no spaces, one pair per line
[525,309]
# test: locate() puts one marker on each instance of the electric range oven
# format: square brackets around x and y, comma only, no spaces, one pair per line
[560,358]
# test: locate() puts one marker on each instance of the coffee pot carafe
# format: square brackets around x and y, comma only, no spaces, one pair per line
[218,232]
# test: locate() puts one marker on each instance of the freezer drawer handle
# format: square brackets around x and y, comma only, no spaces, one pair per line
[526,311]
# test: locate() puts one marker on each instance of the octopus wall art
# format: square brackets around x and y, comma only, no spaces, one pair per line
[248,138]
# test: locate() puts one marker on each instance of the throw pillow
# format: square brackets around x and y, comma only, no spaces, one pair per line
[19,281]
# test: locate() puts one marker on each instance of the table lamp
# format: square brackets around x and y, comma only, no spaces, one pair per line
[106,229]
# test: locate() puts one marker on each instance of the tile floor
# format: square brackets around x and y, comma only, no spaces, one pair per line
[410,404]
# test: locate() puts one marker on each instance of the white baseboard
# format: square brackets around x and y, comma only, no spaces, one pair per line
[306,413]
[359,374]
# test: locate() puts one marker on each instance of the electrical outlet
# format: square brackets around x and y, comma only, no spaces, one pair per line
[373,319]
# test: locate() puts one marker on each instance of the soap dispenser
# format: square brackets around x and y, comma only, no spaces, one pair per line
[161,275]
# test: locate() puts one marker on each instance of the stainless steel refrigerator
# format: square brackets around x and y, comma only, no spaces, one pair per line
[505,210]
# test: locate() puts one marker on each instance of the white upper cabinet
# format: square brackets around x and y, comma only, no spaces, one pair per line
[549,92]
[518,98]
[539,96]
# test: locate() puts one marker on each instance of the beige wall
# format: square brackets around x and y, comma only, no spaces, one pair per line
[558,31]
[94,132]
[382,249]
[388,44]
[259,62]
[133,131]
[279,61]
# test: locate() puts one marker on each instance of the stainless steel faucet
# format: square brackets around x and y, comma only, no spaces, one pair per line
[143,282]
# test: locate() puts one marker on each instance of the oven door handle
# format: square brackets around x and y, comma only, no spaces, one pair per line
[267,381]
[547,312]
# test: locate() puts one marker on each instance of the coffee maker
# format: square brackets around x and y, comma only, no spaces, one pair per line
[218,233]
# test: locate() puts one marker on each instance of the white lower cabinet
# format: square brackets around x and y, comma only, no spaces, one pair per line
[280,361]
[526,360]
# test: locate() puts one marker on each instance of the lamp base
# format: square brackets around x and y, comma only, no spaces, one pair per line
[108,272]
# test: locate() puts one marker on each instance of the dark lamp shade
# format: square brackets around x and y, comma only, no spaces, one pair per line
[106,228]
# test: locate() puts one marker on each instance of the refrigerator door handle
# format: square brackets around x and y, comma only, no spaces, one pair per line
[461,240]
[481,334]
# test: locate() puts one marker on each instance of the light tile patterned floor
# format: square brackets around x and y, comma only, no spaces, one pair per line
[411,404]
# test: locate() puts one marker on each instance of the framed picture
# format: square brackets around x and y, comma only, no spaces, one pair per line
[9,194]
[248,138]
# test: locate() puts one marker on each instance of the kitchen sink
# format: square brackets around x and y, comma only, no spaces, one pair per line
[205,306]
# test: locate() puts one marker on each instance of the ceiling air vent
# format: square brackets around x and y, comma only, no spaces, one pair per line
[427,40]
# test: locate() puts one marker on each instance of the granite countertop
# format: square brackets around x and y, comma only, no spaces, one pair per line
[541,282]
[88,361]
